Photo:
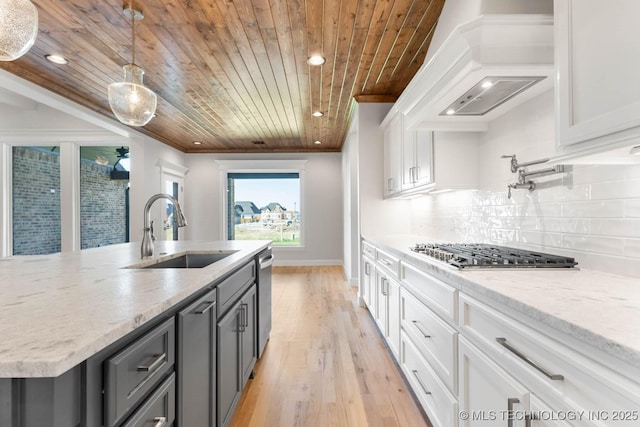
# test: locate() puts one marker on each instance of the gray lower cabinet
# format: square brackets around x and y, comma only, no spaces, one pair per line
[196,363]
[236,353]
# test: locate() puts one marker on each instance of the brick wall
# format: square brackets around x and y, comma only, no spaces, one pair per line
[102,206]
[36,203]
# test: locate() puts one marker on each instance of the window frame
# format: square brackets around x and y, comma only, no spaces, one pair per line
[263,166]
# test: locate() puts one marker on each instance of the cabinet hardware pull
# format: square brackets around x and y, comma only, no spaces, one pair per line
[159,360]
[367,268]
[424,389]
[503,342]
[241,327]
[416,172]
[390,184]
[160,421]
[385,262]
[382,287]
[266,262]
[510,402]
[207,306]
[417,323]
[246,314]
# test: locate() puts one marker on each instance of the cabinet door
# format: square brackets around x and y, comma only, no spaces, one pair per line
[393,322]
[393,135]
[598,88]
[382,284]
[367,278]
[489,395]
[229,376]
[423,172]
[197,363]
[248,332]
[408,160]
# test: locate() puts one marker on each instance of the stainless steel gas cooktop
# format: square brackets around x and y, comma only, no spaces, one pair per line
[480,255]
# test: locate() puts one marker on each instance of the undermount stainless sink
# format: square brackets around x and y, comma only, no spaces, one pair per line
[189,260]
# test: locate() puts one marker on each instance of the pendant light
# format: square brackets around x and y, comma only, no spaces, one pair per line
[131,101]
[18,28]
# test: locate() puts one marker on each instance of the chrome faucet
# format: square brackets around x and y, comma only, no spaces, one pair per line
[147,236]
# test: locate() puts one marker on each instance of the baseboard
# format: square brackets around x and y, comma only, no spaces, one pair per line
[279,262]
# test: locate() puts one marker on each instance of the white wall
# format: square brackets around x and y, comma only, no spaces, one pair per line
[366,211]
[322,204]
[591,213]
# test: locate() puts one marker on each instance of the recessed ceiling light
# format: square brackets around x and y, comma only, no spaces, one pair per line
[197,143]
[315,60]
[635,150]
[487,85]
[57,59]
[450,112]
[317,142]
[317,114]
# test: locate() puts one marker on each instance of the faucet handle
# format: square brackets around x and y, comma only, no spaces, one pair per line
[153,237]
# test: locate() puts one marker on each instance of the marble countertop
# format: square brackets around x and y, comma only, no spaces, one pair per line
[595,307]
[58,310]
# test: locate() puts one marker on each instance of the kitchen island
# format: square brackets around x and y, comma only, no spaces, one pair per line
[64,314]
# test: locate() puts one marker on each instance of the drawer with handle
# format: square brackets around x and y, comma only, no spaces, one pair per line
[389,263]
[132,373]
[368,250]
[230,289]
[437,341]
[434,293]
[159,410]
[547,366]
[440,405]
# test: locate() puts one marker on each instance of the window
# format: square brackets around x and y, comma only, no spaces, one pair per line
[264,206]
[104,196]
[36,200]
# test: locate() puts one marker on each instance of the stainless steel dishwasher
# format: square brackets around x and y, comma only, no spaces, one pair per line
[265,262]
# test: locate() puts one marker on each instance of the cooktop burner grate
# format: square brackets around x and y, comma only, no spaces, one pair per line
[470,255]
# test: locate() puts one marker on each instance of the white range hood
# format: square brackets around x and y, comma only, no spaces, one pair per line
[510,52]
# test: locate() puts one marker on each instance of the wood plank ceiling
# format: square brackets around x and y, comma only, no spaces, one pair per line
[231,72]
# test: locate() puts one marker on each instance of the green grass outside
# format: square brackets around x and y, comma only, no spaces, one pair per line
[290,235]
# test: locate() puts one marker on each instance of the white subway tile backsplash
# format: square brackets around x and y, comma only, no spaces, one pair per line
[615,190]
[547,240]
[597,244]
[587,174]
[563,225]
[632,208]
[594,209]
[632,248]
[616,227]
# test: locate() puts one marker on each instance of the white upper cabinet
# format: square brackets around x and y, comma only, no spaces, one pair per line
[393,139]
[417,158]
[598,74]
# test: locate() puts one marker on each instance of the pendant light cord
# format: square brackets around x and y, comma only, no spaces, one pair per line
[133,33]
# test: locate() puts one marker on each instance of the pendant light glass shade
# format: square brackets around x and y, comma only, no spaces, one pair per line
[18,28]
[131,101]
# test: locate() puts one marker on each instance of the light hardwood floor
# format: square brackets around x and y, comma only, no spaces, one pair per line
[325,364]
